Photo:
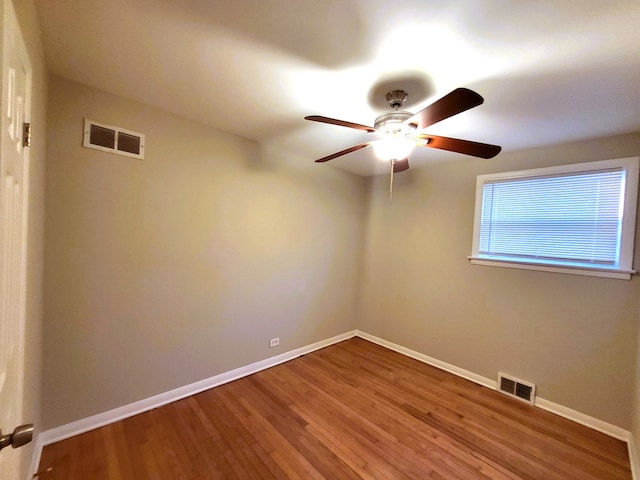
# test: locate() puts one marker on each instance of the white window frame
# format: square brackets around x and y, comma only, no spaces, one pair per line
[624,268]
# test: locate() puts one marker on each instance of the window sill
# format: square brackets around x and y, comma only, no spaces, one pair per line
[589,271]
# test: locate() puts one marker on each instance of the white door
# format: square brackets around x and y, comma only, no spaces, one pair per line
[14,170]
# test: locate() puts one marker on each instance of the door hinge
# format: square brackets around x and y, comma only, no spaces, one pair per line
[26,134]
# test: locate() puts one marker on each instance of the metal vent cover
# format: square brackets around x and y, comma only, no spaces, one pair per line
[102,137]
[517,388]
[113,139]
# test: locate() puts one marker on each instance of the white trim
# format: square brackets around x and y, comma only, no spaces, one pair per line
[633,458]
[586,420]
[573,415]
[96,421]
[572,270]
[447,367]
[623,270]
[35,454]
[626,162]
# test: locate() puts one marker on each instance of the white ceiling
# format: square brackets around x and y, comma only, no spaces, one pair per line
[550,71]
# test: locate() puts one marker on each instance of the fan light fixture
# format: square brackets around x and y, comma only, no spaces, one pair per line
[398,140]
[393,146]
[400,131]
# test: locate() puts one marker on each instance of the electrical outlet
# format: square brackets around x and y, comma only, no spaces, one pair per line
[274,342]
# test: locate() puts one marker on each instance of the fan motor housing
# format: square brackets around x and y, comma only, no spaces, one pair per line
[392,122]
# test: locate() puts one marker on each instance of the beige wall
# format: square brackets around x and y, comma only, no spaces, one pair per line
[33,323]
[164,271]
[573,336]
[168,270]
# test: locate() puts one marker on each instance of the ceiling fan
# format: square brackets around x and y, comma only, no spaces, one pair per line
[401,131]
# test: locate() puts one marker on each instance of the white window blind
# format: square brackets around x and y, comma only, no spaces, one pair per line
[572,216]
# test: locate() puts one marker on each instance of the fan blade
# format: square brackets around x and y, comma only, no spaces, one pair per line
[340,123]
[343,152]
[401,165]
[457,101]
[467,147]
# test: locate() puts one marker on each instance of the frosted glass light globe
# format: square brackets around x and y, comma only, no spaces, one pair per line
[393,147]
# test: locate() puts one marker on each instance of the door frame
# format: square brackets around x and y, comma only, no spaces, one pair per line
[10,27]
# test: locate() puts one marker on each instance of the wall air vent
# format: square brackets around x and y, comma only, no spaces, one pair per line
[113,139]
[517,388]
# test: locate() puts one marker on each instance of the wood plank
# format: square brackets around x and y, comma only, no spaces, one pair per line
[354,410]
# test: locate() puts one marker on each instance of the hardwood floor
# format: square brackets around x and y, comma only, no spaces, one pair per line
[353,410]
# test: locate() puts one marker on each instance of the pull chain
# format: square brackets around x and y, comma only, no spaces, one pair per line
[393,164]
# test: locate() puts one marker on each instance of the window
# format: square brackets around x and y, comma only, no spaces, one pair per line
[576,219]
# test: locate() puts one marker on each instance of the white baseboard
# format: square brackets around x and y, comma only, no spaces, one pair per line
[84,425]
[95,421]
[573,415]
[591,422]
[633,458]
[460,372]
